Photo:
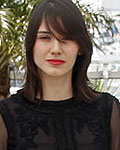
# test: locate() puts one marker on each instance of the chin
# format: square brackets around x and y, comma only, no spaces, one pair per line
[55,74]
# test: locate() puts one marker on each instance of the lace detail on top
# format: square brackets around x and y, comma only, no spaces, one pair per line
[62,125]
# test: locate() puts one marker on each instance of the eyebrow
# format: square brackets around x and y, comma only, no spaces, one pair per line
[45,32]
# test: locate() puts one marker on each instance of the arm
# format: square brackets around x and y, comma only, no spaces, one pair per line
[3,135]
[115,126]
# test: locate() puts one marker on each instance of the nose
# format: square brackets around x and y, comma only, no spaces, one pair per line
[56,48]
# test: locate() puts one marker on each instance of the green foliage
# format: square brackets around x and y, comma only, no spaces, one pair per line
[97,84]
[97,21]
[14,16]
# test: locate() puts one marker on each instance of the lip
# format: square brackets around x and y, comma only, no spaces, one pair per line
[56,61]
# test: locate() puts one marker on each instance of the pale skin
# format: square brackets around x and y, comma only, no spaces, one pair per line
[56,79]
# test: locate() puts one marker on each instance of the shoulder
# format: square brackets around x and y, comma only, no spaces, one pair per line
[106,102]
[11,99]
[7,112]
[106,98]
[5,102]
[7,105]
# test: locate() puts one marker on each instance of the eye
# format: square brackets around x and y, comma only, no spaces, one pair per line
[65,39]
[44,37]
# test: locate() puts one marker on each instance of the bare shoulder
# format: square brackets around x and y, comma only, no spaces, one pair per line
[3,135]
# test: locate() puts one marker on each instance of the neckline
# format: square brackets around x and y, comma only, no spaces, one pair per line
[47,106]
[57,102]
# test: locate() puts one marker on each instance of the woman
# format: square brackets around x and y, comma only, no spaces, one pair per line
[56,109]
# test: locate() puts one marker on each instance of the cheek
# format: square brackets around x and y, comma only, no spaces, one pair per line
[36,55]
[38,51]
[35,51]
[73,52]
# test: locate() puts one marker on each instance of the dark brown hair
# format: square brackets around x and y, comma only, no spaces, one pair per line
[74,28]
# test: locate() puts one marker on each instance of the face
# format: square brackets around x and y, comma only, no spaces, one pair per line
[54,56]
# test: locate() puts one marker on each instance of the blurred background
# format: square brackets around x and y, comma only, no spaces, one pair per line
[103,23]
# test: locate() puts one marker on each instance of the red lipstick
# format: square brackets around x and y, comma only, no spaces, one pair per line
[56,61]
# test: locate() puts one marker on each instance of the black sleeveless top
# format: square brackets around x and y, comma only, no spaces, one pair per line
[57,125]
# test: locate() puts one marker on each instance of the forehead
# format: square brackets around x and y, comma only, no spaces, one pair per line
[53,25]
[42,27]
[45,28]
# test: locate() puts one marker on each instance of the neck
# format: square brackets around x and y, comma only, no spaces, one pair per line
[57,88]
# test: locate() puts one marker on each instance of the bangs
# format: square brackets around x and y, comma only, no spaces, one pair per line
[55,19]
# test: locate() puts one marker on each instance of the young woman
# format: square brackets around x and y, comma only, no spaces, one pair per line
[57,109]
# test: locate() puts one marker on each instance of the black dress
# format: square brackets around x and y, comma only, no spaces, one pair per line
[59,125]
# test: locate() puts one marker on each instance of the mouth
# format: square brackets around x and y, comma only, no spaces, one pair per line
[56,61]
